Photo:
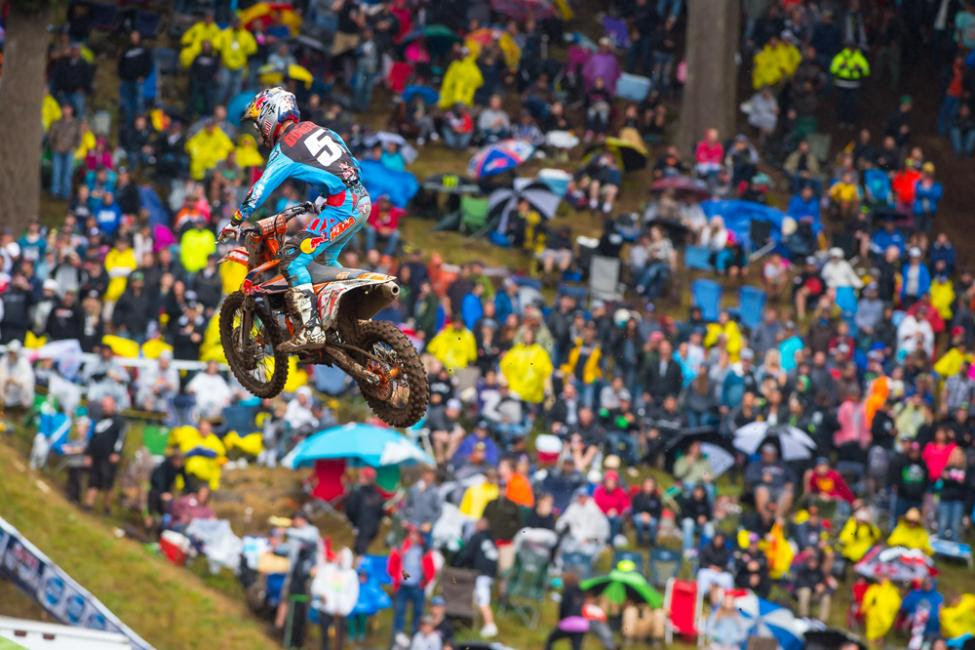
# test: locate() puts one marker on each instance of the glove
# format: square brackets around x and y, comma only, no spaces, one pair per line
[231,231]
[237,219]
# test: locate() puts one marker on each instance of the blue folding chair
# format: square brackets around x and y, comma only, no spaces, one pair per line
[579,293]
[751,302]
[697,257]
[706,294]
[846,300]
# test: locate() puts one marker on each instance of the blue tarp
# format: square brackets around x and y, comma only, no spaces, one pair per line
[399,186]
[738,216]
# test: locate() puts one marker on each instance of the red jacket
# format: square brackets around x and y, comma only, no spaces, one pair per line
[709,152]
[617,500]
[830,484]
[394,565]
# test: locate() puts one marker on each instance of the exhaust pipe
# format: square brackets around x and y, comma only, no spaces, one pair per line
[389,291]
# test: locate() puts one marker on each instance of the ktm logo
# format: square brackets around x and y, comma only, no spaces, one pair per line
[340,228]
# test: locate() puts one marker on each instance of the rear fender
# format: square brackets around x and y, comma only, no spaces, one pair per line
[359,299]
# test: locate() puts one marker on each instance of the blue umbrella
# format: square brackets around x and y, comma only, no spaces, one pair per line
[499,158]
[426,93]
[769,620]
[365,443]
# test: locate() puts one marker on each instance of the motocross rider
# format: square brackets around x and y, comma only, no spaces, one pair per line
[318,156]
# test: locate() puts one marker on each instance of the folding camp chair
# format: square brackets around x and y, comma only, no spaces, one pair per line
[683,605]
[751,302]
[706,294]
[697,257]
[457,586]
[578,563]
[604,278]
[526,583]
[473,214]
[664,565]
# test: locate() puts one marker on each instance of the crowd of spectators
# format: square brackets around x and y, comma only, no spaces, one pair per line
[577,416]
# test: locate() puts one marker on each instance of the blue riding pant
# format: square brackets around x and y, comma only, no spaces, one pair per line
[325,235]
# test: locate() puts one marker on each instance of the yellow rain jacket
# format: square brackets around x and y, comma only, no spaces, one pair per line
[732,336]
[296,377]
[908,536]
[210,347]
[476,497]
[774,63]
[193,38]
[121,346]
[958,619]
[232,276]
[250,444]
[950,362]
[50,112]
[527,369]
[153,348]
[856,539]
[591,370]
[235,47]
[247,153]
[461,81]
[206,148]
[455,349]
[195,246]
[201,465]
[942,296]
[880,605]
[779,552]
[87,144]
[118,264]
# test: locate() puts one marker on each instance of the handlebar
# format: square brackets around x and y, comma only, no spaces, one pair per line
[269,223]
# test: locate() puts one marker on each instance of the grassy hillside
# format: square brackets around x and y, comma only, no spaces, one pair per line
[168,606]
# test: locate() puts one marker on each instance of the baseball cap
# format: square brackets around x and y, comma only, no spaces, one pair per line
[437,601]
[453,403]
[914,251]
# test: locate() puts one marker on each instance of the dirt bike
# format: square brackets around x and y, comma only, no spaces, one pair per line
[256,319]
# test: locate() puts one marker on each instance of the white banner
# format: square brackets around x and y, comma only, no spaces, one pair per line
[56,591]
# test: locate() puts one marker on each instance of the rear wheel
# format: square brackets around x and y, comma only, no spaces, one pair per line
[253,356]
[401,397]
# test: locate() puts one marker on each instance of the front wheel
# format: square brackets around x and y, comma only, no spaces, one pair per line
[251,346]
[401,397]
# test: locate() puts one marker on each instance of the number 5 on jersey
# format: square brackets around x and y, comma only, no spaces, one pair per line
[321,144]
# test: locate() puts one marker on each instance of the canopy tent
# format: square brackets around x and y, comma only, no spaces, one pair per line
[399,186]
[364,443]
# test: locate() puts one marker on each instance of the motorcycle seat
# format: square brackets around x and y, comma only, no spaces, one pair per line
[321,273]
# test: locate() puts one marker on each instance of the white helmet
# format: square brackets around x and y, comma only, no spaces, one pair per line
[269,110]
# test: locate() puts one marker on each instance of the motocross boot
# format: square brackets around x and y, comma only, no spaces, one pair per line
[301,300]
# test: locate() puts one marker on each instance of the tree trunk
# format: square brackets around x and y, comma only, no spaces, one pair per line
[21,95]
[713,32]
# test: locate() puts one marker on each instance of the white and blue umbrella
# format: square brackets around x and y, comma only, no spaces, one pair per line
[767,620]
[364,443]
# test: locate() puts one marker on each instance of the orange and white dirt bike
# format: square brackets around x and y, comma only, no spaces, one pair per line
[255,320]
